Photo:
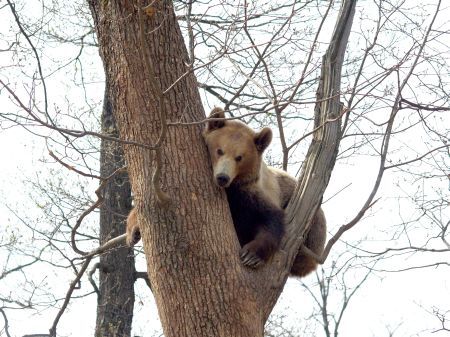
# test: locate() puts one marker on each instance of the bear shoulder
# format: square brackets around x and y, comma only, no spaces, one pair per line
[285,185]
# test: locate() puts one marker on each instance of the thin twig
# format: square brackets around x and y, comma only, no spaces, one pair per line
[308,60]
[267,111]
[6,324]
[36,55]
[322,258]
[418,158]
[72,132]
[330,120]
[70,167]
[90,209]
[69,295]
[91,279]
[73,285]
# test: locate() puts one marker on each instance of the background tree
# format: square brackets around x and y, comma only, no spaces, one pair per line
[336,281]
[116,268]
[59,205]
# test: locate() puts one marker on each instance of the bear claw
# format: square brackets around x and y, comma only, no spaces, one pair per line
[134,237]
[250,259]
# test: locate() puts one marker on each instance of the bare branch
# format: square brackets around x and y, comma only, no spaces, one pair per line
[321,259]
[36,55]
[6,324]
[72,132]
[90,209]
[71,168]
[91,279]
[322,153]
[118,240]
[384,151]
[143,275]
[418,158]
[421,106]
[69,295]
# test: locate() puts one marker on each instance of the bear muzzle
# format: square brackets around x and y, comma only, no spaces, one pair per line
[224,172]
[222,180]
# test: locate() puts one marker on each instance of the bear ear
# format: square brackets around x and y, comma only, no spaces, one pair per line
[263,139]
[213,125]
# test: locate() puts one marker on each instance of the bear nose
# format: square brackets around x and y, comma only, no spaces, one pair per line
[222,179]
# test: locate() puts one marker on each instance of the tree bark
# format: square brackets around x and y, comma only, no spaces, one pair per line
[191,248]
[200,287]
[116,268]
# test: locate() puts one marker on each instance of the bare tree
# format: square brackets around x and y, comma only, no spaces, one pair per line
[116,268]
[173,245]
[331,283]
[263,62]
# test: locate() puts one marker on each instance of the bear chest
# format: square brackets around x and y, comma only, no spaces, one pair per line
[248,213]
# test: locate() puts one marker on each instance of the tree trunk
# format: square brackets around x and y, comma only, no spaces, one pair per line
[116,268]
[200,287]
[191,248]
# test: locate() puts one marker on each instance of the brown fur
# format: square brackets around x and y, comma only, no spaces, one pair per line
[258,185]
[315,241]
[238,140]
[133,231]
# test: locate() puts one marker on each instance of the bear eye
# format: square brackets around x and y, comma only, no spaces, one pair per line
[220,152]
[238,158]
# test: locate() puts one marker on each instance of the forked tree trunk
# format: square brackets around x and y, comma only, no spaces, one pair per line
[116,269]
[200,287]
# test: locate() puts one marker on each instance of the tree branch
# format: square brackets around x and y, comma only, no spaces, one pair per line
[6,324]
[143,275]
[96,204]
[69,295]
[322,153]
[71,132]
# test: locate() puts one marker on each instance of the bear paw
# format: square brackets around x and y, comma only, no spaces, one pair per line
[134,237]
[250,258]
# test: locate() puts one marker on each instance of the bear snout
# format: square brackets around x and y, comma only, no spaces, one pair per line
[222,180]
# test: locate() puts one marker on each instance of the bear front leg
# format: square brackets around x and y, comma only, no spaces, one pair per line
[133,231]
[268,222]
[255,253]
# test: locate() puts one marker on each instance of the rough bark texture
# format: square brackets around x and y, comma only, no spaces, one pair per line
[200,287]
[191,248]
[116,268]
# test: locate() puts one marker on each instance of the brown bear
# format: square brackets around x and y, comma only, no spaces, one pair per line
[257,194]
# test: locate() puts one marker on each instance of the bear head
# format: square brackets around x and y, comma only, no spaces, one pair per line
[235,149]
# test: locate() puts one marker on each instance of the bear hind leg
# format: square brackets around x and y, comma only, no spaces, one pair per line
[315,241]
[303,265]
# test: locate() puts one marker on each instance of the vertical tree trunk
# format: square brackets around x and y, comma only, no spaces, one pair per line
[191,248]
[116,268]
